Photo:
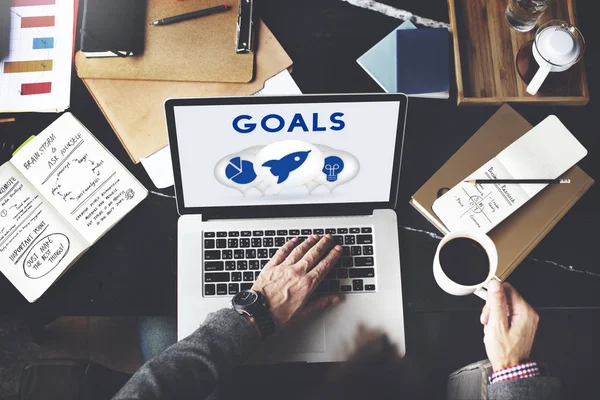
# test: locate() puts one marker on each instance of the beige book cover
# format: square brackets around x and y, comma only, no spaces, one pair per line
[199,50]
[518,235]
[135,109]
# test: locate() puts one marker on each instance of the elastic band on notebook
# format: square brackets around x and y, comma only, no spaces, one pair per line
[101,45]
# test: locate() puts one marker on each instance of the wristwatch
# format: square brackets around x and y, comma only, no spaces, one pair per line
[253,304]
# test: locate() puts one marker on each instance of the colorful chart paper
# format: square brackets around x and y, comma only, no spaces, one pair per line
[36,75]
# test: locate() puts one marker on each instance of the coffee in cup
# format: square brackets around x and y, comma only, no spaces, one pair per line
[464,262]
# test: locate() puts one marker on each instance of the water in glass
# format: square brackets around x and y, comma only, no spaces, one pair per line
[522,15]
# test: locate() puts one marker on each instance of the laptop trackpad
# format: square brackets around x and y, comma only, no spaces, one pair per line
[305,337]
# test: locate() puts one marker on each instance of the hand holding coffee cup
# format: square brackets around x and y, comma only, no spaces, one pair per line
[464,262]
[558,45]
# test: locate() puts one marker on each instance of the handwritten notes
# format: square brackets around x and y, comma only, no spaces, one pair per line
[545,152]
[481,206]
[79,178]
[36,244]
[58,195]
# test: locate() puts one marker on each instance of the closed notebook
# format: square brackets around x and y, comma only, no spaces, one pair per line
[380,61]
[113,28]
[423,62]
[517,235]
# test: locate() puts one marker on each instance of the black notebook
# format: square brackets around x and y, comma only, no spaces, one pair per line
[113,28]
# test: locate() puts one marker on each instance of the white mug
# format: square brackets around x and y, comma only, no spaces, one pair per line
[456,289]
[558,45]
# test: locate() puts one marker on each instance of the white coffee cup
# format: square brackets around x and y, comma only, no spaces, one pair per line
[454,288]
[558,45]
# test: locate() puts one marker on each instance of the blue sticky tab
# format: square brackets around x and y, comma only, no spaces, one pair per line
[43,43]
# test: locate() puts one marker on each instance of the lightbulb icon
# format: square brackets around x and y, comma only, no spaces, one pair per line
[333,166]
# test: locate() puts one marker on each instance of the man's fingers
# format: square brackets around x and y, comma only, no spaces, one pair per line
[496,300]
[322,268]
[283,252]
[517,302]
[319,304]
[301,249]
[519,305]
[316,253]
[485,315]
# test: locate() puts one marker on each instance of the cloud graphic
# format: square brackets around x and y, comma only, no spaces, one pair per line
[339,167]
[286,164]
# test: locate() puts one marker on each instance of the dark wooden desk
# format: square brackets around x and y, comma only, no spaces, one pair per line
[132,270]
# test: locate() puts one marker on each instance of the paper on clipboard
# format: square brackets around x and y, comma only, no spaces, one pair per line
[159,166]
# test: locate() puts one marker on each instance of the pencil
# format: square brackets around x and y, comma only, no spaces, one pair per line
[191,15]
[2,121]
[520,181]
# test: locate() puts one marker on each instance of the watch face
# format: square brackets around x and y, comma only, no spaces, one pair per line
[245,298]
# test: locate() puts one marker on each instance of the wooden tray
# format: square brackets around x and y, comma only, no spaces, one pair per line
[485,50]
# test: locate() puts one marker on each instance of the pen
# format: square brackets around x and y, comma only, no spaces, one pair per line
[193,14]
[521,181]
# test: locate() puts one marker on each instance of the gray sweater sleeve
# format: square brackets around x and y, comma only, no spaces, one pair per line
[191,367]
[538,388]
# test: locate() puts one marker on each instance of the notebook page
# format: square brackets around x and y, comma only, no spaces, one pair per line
[470,206]
[79,177]
[548,148]
[36,244]
[545,152]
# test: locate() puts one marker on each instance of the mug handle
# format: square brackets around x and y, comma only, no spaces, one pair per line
[539,78]
[482,291]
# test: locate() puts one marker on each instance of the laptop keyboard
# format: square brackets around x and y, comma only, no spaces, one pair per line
[233,259]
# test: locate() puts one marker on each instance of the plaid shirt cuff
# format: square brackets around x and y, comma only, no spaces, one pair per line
[525,370]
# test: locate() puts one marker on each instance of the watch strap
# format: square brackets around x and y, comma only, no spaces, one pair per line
[264,321]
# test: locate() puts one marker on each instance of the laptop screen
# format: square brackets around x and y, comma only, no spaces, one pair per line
[296,153]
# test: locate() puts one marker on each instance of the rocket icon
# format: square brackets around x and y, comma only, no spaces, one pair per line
[283,167]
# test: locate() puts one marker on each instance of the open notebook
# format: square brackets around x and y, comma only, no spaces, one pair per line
[545,152]
[59,194]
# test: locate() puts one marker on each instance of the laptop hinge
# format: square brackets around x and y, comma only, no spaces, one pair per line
[298,213]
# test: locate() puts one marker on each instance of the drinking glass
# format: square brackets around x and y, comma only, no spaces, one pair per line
[522,15]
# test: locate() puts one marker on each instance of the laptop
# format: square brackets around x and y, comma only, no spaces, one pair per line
[253,172]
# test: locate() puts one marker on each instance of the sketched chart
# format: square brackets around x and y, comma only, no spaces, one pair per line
[476,203]
[78,178]
[36,74]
